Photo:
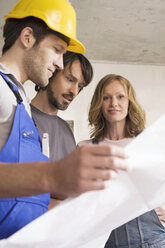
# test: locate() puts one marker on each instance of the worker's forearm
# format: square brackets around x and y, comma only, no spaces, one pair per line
[75,174]
[24,179]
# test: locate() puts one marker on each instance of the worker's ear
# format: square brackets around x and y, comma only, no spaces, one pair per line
[27,38]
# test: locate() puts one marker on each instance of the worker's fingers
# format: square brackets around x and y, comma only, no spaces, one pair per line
[104,157]
[109,162]
[105,150]
[161,213]
[98,174]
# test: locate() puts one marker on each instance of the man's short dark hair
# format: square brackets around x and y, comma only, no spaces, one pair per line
[69,58]
[86,66]
[13,28]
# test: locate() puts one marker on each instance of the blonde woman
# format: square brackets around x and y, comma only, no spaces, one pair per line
[117,118]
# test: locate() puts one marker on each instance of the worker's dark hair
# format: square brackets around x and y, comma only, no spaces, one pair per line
[13,28]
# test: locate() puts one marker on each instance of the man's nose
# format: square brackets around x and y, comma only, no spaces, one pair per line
[74,89]
[58,62]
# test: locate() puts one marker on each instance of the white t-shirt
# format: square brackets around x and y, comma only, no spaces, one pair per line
[121,142]
[8,104]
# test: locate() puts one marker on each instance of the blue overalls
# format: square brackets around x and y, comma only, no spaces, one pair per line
[23,145]
[145,231]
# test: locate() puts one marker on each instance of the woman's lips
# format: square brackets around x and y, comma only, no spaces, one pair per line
[113,111]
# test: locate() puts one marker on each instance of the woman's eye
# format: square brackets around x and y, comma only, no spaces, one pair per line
[105,98]
[121,96]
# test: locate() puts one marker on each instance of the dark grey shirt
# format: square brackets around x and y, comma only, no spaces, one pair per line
[61,139]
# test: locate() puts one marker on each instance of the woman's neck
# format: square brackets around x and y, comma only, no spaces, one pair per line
[115,131]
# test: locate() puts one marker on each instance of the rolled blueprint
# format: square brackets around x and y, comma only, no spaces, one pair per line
[87,220]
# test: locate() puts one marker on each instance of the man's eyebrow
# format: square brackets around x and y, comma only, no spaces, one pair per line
[75,79]
[71,75]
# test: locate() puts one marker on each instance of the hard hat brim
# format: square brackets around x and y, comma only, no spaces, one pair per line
[74,44]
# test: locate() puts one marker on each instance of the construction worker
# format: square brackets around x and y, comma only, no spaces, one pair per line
[36,35]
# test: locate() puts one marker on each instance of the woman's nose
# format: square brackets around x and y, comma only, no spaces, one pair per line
[113,102]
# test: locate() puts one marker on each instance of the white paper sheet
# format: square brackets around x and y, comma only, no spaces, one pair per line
[87,220]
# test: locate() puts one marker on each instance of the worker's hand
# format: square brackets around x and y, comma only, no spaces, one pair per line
[161,213]
[87,168]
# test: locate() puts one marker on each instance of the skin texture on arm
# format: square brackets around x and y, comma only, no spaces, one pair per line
[77,173]
[23,179]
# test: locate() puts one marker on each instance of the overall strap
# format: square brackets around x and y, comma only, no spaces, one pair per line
[13,88]
[95,141]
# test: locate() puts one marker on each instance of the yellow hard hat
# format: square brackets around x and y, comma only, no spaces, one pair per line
[59,16]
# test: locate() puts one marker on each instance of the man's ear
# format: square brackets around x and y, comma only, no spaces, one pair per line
[27,38]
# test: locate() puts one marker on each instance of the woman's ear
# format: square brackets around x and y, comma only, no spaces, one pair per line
[27,38]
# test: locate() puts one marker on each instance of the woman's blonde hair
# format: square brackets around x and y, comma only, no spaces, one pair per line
[135,120]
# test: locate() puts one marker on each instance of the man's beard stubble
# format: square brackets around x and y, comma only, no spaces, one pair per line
[54,100]
[34,69]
